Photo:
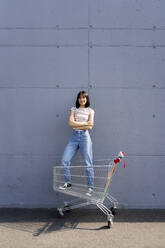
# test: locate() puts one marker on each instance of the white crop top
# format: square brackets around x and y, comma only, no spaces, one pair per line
[82,114]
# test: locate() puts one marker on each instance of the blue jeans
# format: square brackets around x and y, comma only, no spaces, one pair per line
[79,139]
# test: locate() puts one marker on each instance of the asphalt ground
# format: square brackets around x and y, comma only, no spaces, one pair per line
[41,228]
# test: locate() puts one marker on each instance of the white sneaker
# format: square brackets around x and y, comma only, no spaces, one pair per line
[66,186]
[89,192]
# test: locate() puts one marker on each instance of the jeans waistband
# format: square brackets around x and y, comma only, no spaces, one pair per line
[80,131]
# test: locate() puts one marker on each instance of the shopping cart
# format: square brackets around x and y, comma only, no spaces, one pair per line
[103,172]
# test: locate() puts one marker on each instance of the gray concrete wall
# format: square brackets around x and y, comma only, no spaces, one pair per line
[49,50]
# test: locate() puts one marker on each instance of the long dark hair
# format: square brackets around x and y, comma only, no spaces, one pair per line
[84,94]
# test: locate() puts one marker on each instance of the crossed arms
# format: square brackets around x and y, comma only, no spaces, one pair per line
[81,125]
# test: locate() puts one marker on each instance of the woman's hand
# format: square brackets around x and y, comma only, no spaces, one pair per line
[90,123]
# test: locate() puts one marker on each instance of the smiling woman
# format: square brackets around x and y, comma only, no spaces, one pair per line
[81,120]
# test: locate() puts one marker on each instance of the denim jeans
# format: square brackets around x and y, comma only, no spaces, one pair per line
[79,139]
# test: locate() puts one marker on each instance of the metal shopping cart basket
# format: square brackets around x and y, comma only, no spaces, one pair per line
[100,196]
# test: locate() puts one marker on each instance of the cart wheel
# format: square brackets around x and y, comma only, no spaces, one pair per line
[114,211]
[67,207]
[60,213]
[110,220]
[109,224]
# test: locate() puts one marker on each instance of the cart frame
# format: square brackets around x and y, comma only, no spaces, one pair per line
[101,198]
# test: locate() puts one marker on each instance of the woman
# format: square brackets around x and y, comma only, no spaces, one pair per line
[81,120]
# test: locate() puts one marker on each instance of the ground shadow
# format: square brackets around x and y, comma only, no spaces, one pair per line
[43,221]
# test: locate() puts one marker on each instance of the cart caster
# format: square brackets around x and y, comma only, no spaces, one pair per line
[109,224]
[60,213]
[110,221]
[114,211]
[67,208]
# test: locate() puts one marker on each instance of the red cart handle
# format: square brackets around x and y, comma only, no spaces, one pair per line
[119,157]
